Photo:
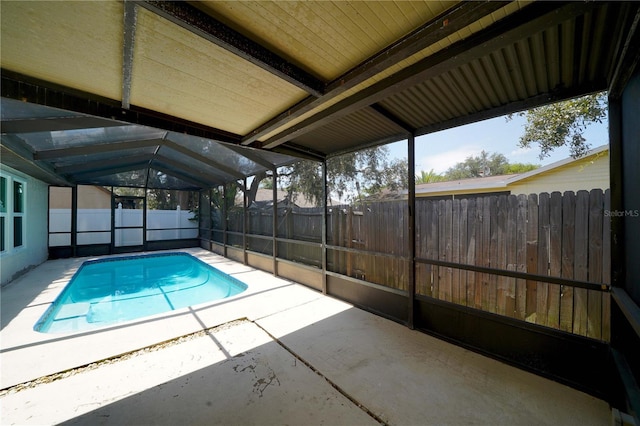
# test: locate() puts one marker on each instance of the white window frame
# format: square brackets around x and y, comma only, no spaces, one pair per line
[9,214]
[4,214]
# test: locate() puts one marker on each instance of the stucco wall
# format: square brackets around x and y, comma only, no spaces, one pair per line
[589,173]
[34,250]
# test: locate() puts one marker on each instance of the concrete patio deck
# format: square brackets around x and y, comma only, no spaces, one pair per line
[279,353]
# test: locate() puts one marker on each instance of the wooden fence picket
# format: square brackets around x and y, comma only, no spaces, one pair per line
[558,235]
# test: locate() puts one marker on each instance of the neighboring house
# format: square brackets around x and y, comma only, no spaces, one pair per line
[89,197]
[264,199]
[585,173]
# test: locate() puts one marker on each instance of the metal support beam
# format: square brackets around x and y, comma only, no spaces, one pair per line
[245,219]
[130,20]
[411,148]
[325,200]
[225,226]
[85,177]
[205,26]
[503,33]
[53,154]
[186,151]
[430,33]
[210,218]
[23,153]
[144,218]
[29,89]
[248,153]
[629,59]
[105,165]
[274,184]
[34,125]
[386,114]
[187,177]
[74,220]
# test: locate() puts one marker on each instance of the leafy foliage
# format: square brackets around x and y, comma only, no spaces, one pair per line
[429,177]
[481,165]
[563,123]
[485,164]
[349,176]
[515,168]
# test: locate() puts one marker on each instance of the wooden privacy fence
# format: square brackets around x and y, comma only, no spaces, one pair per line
[558,235]
[491,252]
[373,240]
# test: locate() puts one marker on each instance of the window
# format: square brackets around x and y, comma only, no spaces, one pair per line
[3,210]
[12,212]
[18,212]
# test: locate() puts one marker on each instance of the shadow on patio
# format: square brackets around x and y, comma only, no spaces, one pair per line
[319,362]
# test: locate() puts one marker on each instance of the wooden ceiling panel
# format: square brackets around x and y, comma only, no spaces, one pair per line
[325,38]
[75,44]
[179,73]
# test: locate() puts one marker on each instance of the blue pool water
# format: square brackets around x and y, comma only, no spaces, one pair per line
[108,291]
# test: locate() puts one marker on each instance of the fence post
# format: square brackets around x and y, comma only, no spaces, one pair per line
[118,224]
[178,214]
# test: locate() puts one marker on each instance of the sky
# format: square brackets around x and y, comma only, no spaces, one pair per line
[441,150]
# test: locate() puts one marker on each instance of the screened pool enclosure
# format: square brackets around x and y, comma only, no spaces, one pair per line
[258,131]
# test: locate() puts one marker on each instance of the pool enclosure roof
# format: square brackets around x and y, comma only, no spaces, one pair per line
[189,95]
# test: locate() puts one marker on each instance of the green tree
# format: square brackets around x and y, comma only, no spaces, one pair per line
[481,165]
[361,173]
[486,164]
[428,177]
[563,123]
[514,168]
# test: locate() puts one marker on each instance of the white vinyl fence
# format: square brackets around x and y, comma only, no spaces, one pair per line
[94,226]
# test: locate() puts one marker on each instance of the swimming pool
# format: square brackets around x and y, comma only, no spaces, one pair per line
[109,291]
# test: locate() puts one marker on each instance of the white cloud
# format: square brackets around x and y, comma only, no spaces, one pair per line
[520,151]
[440,162]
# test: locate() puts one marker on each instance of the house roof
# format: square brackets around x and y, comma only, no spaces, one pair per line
[565,161]
[470,185]
[499,182]
[164,93]
[265,196]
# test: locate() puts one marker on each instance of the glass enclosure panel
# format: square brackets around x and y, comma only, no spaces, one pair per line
[129,221]
[368,215]
[260,205]
[465,215]
[18,197]
[204,214]
[60,215]
[310,255]
[217,217]
[3,195]
[136,192]
[2,232]
[93,238]
[300,212]
[217,152]
[171,214]
[260,245]
[163,199]
[388,271]
[90,136]
[207,172]
[17,231]
[106,157]
[235,213]
[300,201]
